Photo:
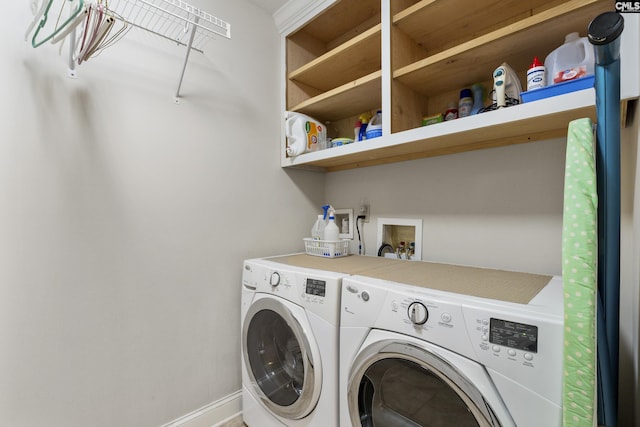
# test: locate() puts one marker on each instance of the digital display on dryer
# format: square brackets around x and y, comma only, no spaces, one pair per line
[316,287]
[514,335]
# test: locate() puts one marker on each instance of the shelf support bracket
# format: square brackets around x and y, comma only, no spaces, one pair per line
[186,57]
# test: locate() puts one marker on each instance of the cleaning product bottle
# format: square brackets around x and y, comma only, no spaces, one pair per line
[364,121]
[317,231]
[374,128]
[356,130]
[478,98]
[465,104]
[304,134]
[451,113]
[574,59]
[535,75]
[331,231]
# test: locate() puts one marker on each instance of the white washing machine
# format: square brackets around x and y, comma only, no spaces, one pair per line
[290,334]
[416,356]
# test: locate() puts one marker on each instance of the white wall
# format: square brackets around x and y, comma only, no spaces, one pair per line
[499,208]
[124,220]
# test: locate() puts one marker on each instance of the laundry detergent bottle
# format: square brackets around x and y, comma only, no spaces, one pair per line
[317,231]
[304,134]
[574,59]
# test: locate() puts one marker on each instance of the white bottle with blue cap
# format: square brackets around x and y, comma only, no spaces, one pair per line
[331,231]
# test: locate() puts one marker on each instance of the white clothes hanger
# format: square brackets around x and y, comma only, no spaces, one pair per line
[38,12]
[71,26]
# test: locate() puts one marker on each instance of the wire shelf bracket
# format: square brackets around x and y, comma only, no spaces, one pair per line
[173,20]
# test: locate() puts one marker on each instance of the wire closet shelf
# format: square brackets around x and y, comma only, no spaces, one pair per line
[174,20]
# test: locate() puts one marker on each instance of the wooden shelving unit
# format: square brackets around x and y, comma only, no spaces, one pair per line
[544,119]
[450,69]
[334,64]
[347,61]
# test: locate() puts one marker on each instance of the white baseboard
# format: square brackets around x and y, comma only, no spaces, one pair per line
[214,414]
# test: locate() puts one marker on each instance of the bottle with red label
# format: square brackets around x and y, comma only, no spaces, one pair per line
[572,60]
[536,75]
[451,113]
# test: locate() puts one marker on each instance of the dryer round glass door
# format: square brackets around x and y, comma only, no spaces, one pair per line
[391,387]
[279,359]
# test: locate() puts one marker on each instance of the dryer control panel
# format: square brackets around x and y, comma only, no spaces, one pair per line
[518,336]
[419,313]
[519,344]
[516,343]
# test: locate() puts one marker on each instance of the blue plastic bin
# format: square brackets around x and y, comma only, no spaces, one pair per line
[558,89]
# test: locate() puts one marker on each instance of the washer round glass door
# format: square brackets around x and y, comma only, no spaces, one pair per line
[280,360]
[395,384]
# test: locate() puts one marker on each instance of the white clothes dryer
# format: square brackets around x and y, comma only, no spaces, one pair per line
[290,334]
[415,356]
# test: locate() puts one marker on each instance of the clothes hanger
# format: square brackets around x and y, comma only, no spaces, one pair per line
[72,25]
[72,16]
[107,41]
[92,30]
[101,31]
[37,14]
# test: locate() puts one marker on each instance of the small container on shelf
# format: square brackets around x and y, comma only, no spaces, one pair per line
[431,120]
[465,104]
[451,113]
[326,248]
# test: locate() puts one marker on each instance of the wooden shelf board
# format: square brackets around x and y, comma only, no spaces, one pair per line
[429,22]
[474,60]
[347,100]
[513,125]
[357,57]
[339,18]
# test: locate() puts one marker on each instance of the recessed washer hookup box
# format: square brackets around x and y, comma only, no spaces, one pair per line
[558,89]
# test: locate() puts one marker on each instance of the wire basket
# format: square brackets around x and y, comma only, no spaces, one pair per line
[326,248]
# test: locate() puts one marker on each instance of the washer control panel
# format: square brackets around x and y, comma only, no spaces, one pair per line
[274,279]
[519,336]
[522,345]
[410,311]
[315,287]
[514,340]
[316,291]
[418,313]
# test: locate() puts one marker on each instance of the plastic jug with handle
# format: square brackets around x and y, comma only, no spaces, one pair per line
[304,134]
[572,60]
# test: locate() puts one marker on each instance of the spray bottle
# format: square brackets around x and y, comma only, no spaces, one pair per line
[331,231]
[364,121]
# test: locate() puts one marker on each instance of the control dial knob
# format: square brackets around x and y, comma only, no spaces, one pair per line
[418,313]
[274,280]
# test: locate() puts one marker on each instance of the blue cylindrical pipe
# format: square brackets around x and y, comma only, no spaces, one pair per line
[604,33]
